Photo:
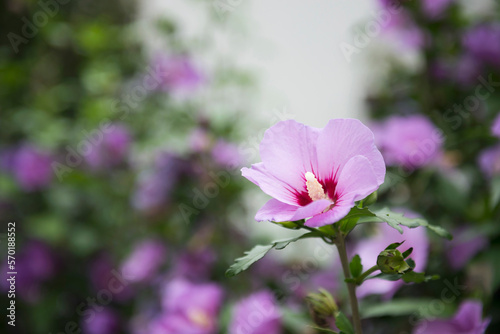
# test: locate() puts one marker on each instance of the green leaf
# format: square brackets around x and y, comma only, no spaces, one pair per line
[394,245]
[387,277]
[258,252]
[343,323]
[350,221]
[396,307]
[323,330]
[355,266]
[414,277]
[495,191]
[411,263]
[395,219]
[408,253]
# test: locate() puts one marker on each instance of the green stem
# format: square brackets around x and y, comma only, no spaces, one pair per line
[364,275]
[351,286]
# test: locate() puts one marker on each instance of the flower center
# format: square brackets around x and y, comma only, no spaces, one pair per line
[200,318]
[314,188]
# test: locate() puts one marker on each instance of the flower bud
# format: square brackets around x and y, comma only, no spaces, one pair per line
[391,261]
[322,307]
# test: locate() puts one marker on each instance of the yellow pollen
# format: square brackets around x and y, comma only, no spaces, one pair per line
[200,318]
[314,188]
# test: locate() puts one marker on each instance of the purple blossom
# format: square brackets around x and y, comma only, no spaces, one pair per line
[435,8]
[467,320]
[465,244]
[111,150]
[316,173]
[188,308]
[226,154]
[495,128]
[176,73]
[102,275]
[105,321]
[32,168]
[37,263]
[467,70]
[483,42]
[256,314]
[409,141]
[144,261]
[155,186]
[489,161]
[195,265]
[369,249]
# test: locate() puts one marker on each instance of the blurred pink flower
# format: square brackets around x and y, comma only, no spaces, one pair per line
[409,141]
[435,8]
[482,42]
[32,168]
[495,128]
[105,321]
[369,249]
[176,73]
[36,263]
[467,320]
[144,261]
[256,314]
[489,161]
[188,308]
[316,173]
[111,150]
[465,244]
[226,154]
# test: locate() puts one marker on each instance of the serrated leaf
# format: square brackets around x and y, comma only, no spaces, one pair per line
[395,219]
[343,323]
[355,266]
[258,252]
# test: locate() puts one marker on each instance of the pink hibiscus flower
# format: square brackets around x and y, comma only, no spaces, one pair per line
[316,173]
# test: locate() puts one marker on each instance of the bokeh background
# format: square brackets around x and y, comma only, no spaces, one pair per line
[124,125]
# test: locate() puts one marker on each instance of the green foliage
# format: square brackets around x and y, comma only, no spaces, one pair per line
[355,266]
[258,252]
[343,323]
[395,219]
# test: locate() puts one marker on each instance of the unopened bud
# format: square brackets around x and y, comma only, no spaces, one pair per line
[391,261]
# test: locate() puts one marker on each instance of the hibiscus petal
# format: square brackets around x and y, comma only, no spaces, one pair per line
[357,180]
[312,209]
[288,150]
[269,184]
[339,211]
[276,211]
[341,140]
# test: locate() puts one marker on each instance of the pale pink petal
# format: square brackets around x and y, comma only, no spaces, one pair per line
[312,209]
[269,184]
[276,211]
[357,180]
[339,211]
[288,151]
[342,139]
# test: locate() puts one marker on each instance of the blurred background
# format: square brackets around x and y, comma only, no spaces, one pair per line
[124,125]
